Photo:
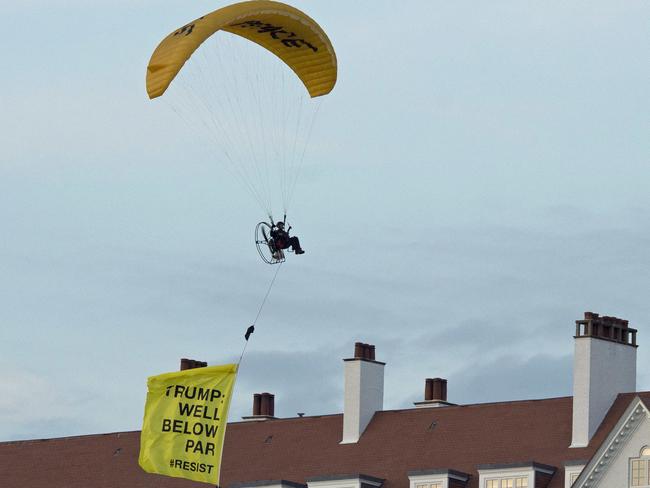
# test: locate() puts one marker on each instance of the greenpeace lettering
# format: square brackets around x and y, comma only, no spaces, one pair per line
[184,422]
[283,30]
[288,38]
[187,29]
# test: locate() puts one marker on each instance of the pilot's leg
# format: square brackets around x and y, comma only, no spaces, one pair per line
[295,245]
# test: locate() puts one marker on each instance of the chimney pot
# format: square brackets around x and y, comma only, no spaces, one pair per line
[257,404]
[263,407]
[364,351]
[264,404]
[428,389]
[271,405]
[607,328]
[435,393]
[439,389]
[267,406]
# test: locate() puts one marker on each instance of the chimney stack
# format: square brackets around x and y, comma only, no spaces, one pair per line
[438,389]
[604,365]
[435,393]
[191,364]
[364,391]
[364,351]
[263,407]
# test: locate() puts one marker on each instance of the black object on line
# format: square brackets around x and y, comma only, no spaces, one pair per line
[249,331]
[251,328]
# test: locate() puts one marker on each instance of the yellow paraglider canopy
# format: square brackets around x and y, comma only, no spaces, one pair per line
[285,31]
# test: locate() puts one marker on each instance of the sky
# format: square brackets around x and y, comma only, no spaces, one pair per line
[475,182]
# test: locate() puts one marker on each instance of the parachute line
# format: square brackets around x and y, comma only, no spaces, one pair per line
[298,170]
[248,107]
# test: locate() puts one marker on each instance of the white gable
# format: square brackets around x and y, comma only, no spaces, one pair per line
[610,465]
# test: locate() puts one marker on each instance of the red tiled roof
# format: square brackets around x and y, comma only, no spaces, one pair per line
[395,442]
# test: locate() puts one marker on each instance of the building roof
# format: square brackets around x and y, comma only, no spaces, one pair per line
[395,443]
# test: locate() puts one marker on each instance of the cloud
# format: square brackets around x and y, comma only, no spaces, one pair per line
[512,377]
[460,216]
[35,406]
[309,381]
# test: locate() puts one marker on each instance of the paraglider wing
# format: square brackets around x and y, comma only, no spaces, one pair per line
[285,31]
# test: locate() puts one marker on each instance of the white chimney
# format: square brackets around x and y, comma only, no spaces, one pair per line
[364,391]
[604,365]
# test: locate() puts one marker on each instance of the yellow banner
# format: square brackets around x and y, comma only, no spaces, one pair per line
[185,421]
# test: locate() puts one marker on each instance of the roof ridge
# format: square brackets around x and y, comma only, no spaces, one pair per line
[68,437]
[466,405]
[277,419]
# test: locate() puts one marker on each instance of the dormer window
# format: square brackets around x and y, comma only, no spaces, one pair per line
[572,470]
[518,482]
[640,469]
[516,475]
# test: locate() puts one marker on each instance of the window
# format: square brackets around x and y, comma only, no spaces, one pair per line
[640,469]
[519,482]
